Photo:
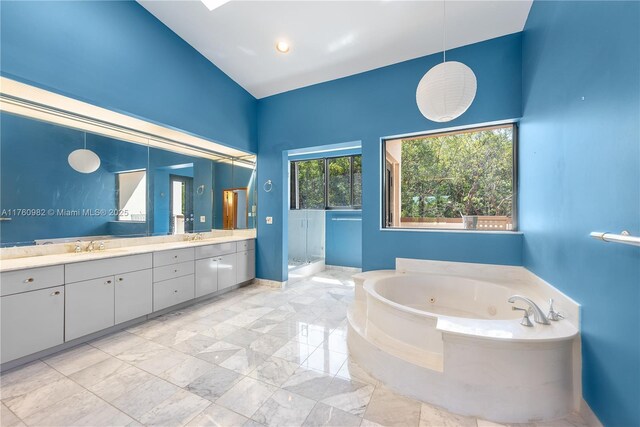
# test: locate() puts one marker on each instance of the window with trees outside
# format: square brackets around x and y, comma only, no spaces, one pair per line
[463,180]
[328,183]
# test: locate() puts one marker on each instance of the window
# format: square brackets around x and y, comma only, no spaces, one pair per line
[132,195]
[330,183]
[455,180]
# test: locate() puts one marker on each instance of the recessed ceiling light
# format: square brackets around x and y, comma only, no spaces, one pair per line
[282,47]
[214,4]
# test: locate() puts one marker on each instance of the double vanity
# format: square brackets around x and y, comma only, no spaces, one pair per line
[49,301]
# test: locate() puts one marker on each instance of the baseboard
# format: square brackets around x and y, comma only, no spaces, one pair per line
[341,268]
[588,415]
[270,283]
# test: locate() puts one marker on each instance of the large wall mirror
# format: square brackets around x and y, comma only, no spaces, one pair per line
[113,188]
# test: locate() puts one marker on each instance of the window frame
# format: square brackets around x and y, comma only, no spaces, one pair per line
[440,132]
[293,183]
[146,193]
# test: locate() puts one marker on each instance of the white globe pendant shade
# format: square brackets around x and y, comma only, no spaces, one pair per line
[446,91]
[84,161]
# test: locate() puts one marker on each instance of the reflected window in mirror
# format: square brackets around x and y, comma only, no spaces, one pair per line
[132,195]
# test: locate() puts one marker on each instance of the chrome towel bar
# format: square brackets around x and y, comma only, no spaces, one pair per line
[346,219]
[623,237]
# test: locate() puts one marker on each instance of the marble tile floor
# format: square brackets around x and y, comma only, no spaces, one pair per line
[256,356]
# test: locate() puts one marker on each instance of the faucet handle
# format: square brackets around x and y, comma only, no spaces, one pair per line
[553,314]
[78,247]
[525,313]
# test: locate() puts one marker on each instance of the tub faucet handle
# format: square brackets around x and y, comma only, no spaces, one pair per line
[553,314]
[525,316]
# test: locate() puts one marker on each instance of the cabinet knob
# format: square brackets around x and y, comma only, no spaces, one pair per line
[175,271]
[55,293]
[175,292]
[175,256]
[29,280]
[108,282]
[120,279]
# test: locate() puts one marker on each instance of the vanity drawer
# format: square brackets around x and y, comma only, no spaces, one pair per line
[172,292]
[80,271]
[246,245]
[174,256]
[14,282]
[215,250]
[172,271]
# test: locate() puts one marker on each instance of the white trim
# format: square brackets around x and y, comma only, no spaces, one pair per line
[382,155]
[40,104]
[270,283]
[451,129]
[449,230]
[588,415]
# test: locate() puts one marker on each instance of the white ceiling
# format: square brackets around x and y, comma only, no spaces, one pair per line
[329,39]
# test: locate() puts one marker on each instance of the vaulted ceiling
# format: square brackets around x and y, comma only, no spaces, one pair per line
[329,39]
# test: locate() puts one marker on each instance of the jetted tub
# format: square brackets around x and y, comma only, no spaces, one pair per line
[453,340]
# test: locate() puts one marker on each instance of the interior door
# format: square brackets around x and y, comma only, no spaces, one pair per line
[181,219]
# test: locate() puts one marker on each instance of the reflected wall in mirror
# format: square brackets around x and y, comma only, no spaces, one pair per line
[137,190]
[44,200]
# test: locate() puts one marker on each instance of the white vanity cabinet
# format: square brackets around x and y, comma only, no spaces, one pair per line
[44,307]
[173,277]
[89,307]
[246,265]
[103,293]
[215,268]
[206,276]
[31,322]
[133,295]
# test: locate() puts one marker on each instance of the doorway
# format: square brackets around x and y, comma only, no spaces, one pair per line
[181,204]
[235,212]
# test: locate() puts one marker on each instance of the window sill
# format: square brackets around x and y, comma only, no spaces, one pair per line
[450,230]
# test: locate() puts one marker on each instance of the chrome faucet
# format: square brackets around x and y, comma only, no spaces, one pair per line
[90,247]
[101,246]
[538,315]
[553,314]
[78,248]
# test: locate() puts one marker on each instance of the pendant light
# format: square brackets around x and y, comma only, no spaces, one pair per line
[448,89]
[83,160]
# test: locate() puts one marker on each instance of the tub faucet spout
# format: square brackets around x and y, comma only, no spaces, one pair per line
[538,314]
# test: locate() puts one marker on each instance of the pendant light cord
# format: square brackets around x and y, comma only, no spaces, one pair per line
[444,30]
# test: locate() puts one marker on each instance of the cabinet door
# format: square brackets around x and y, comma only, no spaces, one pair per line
[172,292]
[133,295]
[226,271]
[246,266]
[89,307]
[30,322]
[206,276]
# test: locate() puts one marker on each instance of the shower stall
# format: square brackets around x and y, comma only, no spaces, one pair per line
[306,237]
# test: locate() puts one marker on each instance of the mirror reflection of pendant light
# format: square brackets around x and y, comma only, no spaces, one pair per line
[83,160]
[448,89]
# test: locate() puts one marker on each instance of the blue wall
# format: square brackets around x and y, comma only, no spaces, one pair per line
[343,238]
[580,172]
[116,55]
[366,107]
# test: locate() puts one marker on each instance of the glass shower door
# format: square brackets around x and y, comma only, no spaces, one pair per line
[306,237]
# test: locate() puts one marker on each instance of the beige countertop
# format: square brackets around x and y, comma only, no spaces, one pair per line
[72,257]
